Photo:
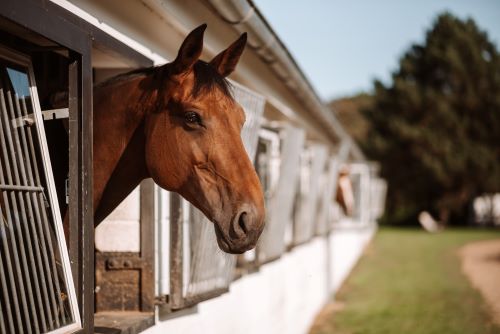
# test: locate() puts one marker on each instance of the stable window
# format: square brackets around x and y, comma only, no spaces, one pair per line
[60,45]
[191,266]
[198,269]
[339,192]
[60,52]
[267,163]
[324,218]
[124,247]
[313,161]
[343,205]
[37,290]
[359,174]
[279,174]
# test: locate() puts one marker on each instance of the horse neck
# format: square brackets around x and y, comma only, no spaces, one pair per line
[117,116]
[128,173]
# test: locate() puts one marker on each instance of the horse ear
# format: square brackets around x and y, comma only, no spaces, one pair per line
[189,51]
[226,61]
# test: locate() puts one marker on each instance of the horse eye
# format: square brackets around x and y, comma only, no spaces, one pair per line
[192,117]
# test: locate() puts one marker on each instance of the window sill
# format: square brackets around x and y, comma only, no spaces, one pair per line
[122,322]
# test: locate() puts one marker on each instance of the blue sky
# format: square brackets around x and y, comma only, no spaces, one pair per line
[343,45]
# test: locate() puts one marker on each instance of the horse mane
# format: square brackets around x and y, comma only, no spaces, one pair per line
[139,72]
[206,78]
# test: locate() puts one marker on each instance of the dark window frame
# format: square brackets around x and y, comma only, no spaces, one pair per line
[23,62]
[76,37]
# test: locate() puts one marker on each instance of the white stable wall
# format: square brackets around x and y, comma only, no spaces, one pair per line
[284,296]
[347,244]
[120,231]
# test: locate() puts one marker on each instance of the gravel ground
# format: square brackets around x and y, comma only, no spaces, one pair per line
[481,265]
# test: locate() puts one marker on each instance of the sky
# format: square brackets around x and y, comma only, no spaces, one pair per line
[342,46]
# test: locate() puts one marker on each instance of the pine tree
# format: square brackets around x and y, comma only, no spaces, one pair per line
[436,128]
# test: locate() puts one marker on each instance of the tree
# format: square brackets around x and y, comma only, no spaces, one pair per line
[348,111]
[436,128]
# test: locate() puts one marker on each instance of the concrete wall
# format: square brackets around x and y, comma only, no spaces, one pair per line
[120,231]
[284,296]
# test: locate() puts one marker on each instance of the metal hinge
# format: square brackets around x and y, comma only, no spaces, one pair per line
[124,263]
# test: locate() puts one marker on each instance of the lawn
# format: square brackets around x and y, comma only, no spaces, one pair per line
[410,282]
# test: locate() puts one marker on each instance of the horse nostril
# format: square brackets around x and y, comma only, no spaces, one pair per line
[242,221]
[241,225]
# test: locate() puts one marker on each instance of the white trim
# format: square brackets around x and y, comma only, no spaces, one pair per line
[142,49]
[55,114]
[47,116]
[61,240]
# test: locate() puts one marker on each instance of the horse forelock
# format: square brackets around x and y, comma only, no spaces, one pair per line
[207,78]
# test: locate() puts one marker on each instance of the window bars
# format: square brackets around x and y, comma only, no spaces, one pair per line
[253,104]
[36,287]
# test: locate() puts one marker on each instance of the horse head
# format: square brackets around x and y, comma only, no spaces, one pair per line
[194,145]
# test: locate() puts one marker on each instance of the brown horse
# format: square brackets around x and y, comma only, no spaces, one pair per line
[345,196]
[179,125]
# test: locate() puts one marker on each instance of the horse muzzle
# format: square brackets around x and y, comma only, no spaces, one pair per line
[242,232]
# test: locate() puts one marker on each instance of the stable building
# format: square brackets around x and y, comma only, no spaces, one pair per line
[153,265]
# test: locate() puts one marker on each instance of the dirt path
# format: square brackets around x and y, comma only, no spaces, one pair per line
[481,265]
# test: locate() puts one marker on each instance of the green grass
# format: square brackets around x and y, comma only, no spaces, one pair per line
[411,282]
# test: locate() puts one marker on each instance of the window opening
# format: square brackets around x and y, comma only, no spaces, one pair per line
[38,294]
[283,168]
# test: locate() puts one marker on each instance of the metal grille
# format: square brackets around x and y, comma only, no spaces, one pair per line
[311,186]
[210,268]
[35,294]
[279,212]
[253,104]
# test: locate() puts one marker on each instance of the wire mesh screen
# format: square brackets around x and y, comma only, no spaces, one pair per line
[360,180]
[311,186]
[325,215]
[356,189]
[210,269]
[36,292]
[253,104]
[279,212]
[267,164]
